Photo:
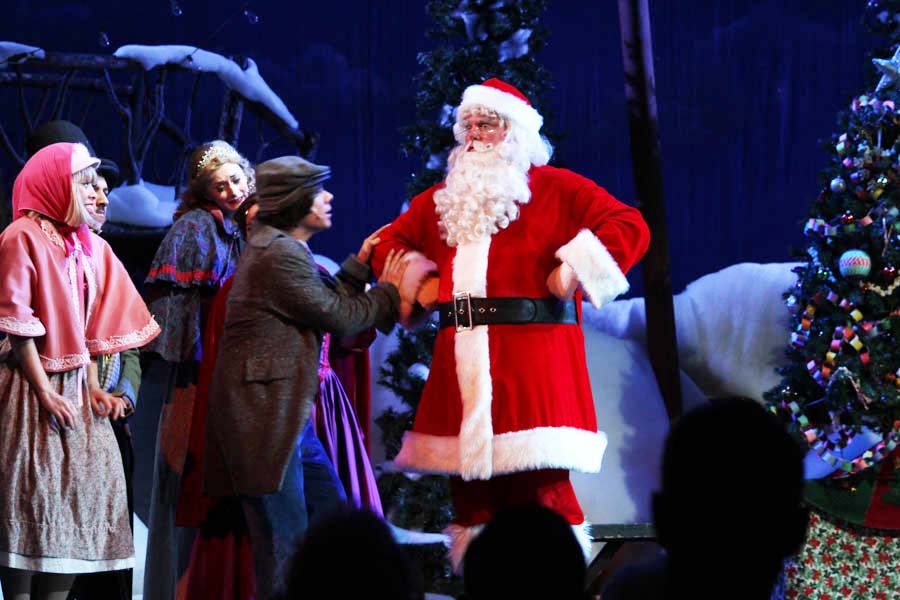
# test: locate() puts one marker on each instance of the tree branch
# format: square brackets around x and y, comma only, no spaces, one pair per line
[61,95]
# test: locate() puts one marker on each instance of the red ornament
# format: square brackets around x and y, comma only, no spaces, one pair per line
[889,273]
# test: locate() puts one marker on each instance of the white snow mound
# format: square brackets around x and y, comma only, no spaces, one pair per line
[249,83]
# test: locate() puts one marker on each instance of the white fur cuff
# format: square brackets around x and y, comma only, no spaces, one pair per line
[597,271]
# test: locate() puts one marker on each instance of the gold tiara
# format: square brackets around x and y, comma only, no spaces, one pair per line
[217,151]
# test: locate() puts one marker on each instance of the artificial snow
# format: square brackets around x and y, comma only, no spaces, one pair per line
[143,205]
[247,82]
[19,52]
[733,329]
[515,47]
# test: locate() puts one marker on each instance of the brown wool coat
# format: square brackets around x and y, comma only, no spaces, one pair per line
[266,375]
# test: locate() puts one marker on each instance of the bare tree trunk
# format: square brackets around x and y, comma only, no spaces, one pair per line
[640,92]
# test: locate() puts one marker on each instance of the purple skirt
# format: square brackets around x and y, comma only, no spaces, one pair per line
[338,429]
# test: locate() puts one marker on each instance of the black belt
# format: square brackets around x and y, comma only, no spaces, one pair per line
[466,312]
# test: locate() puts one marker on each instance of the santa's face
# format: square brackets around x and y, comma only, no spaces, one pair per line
[483,132]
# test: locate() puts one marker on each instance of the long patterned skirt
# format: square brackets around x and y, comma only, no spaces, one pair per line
[63,505]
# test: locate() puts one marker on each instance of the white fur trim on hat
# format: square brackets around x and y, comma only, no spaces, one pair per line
[539,448]
[505,104]
[596,269]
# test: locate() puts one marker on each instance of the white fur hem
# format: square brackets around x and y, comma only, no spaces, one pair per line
[505,104]
[540,448]
[460,538]
[596,269]
[582,533]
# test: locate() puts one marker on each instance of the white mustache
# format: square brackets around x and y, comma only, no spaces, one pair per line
[479,146]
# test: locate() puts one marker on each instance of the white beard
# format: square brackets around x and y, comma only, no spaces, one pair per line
[482,193]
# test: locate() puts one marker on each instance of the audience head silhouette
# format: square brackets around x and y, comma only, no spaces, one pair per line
[730,507]
[350,555]
[525,552]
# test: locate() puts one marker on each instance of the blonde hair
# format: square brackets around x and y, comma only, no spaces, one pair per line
[77,214]
[204,161]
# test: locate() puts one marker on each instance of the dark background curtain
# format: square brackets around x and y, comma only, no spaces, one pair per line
[746,89]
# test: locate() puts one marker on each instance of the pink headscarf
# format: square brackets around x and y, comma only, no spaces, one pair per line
[45,186]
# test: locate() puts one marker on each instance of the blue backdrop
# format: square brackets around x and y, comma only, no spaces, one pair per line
[746,89]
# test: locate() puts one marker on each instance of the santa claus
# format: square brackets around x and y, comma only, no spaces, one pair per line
[511,245]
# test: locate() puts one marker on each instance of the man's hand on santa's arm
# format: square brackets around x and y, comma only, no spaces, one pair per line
[614,239]
[418,289]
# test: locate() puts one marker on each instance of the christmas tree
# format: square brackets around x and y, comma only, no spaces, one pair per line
[476,40]
[840,392]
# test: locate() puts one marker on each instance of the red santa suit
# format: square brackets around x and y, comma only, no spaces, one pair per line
[507,398]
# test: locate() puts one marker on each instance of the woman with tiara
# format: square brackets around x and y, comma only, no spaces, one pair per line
[198,254]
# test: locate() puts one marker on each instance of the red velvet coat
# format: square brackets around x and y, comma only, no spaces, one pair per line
[507,398]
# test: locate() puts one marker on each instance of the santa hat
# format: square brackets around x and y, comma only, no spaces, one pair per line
[505,99]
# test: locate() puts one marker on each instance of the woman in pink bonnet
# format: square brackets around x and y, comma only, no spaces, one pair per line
[64,300]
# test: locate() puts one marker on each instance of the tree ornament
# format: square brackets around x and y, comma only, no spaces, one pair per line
[838,185]
[103,39]
[889,273]
[889,71]
[792,303]
[854,263]
[251,16]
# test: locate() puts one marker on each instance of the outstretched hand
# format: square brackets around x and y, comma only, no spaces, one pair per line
[365,251]
[394,266]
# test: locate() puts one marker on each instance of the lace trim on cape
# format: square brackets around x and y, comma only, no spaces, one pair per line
[65,363]
[117,342]
[24,328]
[51,232]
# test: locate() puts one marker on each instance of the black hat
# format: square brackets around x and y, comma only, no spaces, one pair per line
[53,132]
[109,171]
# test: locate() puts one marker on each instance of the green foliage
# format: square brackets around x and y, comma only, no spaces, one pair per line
[478,40]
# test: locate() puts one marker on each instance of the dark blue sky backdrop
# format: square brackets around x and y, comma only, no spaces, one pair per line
[745,90]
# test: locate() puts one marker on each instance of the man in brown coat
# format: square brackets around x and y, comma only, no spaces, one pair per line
[260,445]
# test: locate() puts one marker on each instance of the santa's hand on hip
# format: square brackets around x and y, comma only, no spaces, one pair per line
[562,282]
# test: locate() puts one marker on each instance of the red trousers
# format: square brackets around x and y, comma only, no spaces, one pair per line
[475,502]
